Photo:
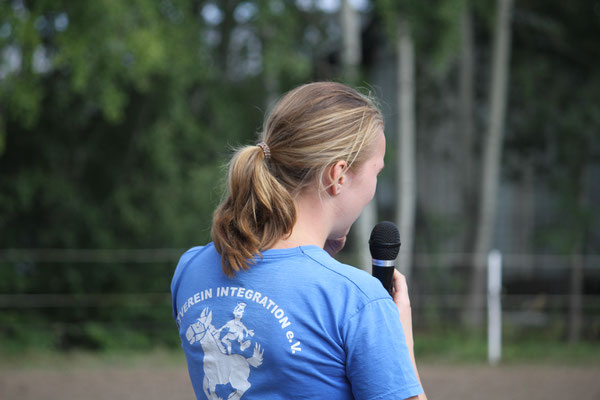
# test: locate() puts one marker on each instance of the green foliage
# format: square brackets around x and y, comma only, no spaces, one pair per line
[552,125]
[24,331]
[114,129]
[435,27]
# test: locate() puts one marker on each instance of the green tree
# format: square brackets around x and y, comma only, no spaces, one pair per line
[116,119]
[554,127]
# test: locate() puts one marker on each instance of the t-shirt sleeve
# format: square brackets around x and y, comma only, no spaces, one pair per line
[378,363]
[183,260]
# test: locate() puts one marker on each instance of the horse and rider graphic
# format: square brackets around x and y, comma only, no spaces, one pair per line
[221,367]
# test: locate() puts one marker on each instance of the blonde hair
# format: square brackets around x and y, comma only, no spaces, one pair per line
[311,128]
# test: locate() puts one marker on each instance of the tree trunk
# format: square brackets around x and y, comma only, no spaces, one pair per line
[351,59]
[270,71]
[575,298]
[490,176]
[578,251]
[351,42]
[272,88]
[466,126]
[407,185]
[226,27]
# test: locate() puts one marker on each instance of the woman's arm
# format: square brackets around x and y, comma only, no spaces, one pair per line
[402,301]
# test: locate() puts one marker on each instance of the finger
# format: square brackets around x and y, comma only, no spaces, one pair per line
[399,281]
[400,289]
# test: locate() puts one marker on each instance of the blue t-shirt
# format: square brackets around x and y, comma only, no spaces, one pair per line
[297,325]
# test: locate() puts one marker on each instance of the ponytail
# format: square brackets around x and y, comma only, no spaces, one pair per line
[257,212]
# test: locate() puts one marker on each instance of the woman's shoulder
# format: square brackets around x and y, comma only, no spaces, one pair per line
[192,254]
[192,251]
[353,278]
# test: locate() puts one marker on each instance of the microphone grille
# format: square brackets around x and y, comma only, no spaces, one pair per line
[384,243]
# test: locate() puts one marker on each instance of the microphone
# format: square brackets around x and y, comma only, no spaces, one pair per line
[384,245]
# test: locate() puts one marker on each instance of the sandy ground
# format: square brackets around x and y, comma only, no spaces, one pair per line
[448,382]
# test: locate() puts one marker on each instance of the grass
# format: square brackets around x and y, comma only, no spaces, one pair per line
[78,359]
[459,347]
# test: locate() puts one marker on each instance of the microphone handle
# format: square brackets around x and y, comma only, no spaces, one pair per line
[385,274]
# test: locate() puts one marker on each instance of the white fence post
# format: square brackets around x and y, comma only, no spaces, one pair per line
[494,307]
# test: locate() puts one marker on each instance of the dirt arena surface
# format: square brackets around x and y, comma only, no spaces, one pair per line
[147,381]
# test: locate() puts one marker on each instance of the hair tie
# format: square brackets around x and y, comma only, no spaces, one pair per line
[266,150]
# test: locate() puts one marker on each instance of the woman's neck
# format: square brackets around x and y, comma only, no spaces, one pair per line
[312,223]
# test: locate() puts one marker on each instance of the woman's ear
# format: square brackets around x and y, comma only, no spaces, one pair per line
[335,177]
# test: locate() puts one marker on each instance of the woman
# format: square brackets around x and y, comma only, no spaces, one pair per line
[264,311]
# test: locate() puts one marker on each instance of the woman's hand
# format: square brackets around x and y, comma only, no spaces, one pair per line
[333,246]
[402,301]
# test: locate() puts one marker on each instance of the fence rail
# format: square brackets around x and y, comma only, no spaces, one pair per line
[53,300]
[420,260]
[90,255]
[591,302]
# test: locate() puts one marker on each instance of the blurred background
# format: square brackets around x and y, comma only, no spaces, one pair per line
[117,119]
